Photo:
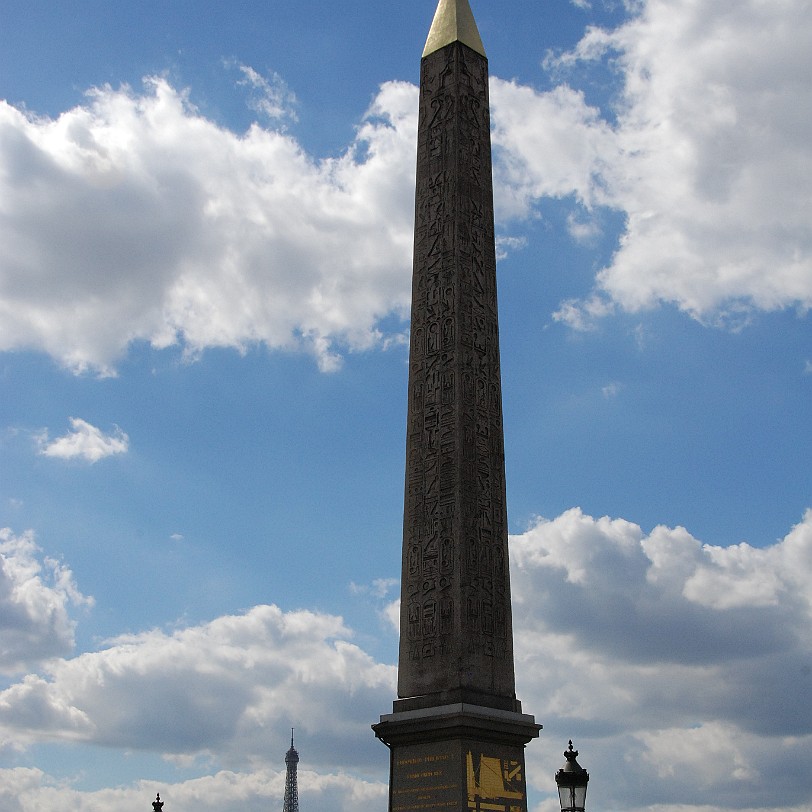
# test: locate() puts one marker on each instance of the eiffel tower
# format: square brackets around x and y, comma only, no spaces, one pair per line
[457,732]
[291,803]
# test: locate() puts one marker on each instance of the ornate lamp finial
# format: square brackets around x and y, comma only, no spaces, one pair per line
[572,779]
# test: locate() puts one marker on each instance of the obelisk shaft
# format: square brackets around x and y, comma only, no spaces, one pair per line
[456,637]
[456,735]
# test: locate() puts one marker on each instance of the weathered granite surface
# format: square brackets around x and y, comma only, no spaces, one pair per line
[456,635]
[456,734]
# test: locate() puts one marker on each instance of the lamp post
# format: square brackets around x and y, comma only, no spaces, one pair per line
[572,779]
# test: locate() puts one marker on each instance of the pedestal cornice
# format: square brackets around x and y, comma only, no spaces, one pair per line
[457,721]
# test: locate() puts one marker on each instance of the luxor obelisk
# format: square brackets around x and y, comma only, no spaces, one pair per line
[457,733]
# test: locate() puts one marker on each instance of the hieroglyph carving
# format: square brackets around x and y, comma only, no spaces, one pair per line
[455,590]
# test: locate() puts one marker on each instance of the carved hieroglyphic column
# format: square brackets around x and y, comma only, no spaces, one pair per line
[456,709]
[455,594]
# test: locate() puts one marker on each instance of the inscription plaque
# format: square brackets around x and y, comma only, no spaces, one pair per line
[424,777]
[458,774]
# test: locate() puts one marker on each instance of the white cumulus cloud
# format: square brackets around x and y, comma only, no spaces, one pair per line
[691,660]
[716,179]
[215,688]
[36,594]
[32,790]
[706,153]
[85,442]
[132,217]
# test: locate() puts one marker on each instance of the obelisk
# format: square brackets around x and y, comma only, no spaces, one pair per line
[457,733]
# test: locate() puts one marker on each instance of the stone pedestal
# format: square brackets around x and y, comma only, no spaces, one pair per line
[457,757]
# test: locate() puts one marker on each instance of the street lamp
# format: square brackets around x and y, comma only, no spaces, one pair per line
[572,779]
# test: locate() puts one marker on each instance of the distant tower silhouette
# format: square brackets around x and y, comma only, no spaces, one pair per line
[157,804]
[291,789]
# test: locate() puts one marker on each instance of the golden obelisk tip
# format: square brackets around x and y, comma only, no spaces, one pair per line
[453,22]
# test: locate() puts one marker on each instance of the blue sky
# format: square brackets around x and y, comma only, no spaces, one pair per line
[205,248]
